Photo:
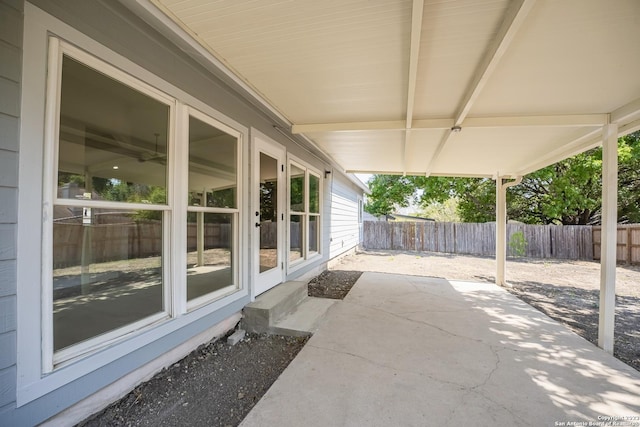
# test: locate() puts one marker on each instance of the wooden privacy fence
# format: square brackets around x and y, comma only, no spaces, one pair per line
[111,242]
[141,239]
[542,241]
[628,247]
[144,239]
[269,235]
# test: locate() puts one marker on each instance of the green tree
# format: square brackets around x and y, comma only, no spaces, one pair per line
[629,178]
[446,211]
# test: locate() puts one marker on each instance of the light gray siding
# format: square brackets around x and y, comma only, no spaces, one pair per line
[11,22]
[112,25]
[345,229]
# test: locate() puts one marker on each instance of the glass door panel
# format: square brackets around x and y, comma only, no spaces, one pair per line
[268,212]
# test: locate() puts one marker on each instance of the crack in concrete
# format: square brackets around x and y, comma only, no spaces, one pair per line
[476,390]
[493,370]
[458,386]
[422,322]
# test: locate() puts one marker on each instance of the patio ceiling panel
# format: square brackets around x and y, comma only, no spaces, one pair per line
[315,61]
[530,82]
[420,147]
[475,147]
[455,35]
[570,57]
[375,150]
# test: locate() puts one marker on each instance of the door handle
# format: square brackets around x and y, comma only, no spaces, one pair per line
[257,224]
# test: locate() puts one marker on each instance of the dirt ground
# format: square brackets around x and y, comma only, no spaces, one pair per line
[567,291]
[215,385]
[334,284]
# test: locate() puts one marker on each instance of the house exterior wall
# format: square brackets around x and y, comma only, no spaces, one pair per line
[344,216]
[11,20]
[113,26]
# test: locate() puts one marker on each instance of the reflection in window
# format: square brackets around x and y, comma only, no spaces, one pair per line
[112,140]
[209,253]
[212,209]
[295,237]
[107,271]
[268,213]
[313,233]
[114,224]
[304,196]
[314,211]
[296,188]
[314,194]
[212,166]
[107,262]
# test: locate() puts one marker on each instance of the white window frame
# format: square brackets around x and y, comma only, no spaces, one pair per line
[59,49]
[33,379]
[234,212]
[307,256]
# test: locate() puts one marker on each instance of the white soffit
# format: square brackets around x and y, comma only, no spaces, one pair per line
[474,148]
[313,60]
[455,35]
[569,57]
[529,81]
[365,151]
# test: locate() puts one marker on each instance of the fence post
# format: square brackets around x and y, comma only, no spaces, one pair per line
[629,245]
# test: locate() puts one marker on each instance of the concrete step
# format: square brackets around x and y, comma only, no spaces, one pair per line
[305,319]
[272,305]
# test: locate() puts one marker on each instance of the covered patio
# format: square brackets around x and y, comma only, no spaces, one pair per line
[413,351]
[492,89]
[472,88]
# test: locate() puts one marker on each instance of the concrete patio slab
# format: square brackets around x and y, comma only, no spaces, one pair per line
[416,351]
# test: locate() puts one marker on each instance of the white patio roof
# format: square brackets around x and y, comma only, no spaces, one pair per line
[378,85]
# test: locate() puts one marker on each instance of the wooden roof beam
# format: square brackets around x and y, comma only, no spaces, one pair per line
[562,120]
[414,52]
[514,18]
[626,113]
[370,126]
[580,144]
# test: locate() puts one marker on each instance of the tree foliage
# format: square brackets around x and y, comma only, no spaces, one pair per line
[567,192]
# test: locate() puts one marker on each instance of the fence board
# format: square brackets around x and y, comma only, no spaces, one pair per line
[628,245]
[542,241]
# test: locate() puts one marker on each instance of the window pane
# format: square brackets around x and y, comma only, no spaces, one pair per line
[295,237]
[209,253]
[113,139]
[268,212]
[314,194]
[296,189]
[313,233]
[107,270]
[212,166]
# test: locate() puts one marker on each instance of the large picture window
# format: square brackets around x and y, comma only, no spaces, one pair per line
[110,207]
[116,187]
[304,212]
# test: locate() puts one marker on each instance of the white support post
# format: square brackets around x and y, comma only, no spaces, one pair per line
[501,228]
[609,237]
[501,232]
